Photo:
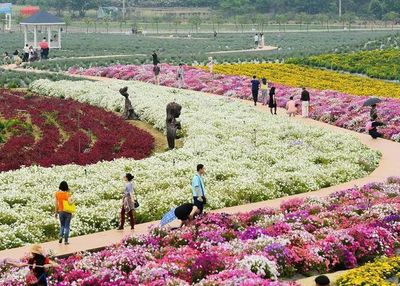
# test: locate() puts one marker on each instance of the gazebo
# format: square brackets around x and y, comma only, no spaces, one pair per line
[5,8]
[43,21]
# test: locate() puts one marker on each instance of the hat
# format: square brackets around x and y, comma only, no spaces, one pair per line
[37,249]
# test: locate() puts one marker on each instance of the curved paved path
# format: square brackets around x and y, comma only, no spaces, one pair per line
[389,166]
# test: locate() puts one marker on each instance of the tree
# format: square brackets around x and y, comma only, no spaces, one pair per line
[281,19]
[323,19]
[177,21]
[107,21]
[376,9]
[156,21]
[391,17]
[88,22]
[195,21]
[261,20]
[243,20]
[67,21]
[349,18]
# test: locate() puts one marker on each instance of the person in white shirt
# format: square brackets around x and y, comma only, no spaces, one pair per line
[26,53]
[180,74]
[256,40]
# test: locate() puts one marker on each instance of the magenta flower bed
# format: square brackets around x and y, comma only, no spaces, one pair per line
[332,107]
[263,247]
[55,137]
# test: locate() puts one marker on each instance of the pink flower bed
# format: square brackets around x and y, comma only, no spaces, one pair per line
[262,247]
[332,107]
[60,132]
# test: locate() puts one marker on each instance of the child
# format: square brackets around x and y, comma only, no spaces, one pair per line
[291,107]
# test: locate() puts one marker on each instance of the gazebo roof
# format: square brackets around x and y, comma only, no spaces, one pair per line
[43,18]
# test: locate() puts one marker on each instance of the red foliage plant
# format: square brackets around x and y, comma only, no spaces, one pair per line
[58,132]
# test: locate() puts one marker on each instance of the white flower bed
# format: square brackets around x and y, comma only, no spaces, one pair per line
[250,156]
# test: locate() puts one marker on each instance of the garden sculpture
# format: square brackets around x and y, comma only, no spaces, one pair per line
[129,113]
[173,112]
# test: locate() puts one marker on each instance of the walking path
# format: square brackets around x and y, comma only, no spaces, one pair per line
[266,48]
[389,166]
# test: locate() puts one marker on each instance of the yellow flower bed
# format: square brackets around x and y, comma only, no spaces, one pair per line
[296,76]
[372,274]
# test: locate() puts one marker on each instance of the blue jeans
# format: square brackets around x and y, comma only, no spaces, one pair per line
[65,222]
[42,280]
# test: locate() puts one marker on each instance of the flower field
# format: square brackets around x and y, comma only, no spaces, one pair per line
[384,64]
[253,162]
[50,131]
[262,247]
[332,107]
[382,272]
[297,76]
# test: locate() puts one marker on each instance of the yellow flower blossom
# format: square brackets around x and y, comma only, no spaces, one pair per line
[297,76]
[372,274]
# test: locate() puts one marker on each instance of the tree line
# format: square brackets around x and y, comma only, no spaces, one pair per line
[374,9]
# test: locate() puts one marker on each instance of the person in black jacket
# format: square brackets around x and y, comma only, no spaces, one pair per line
[156,61]
[373,131]
[305,102]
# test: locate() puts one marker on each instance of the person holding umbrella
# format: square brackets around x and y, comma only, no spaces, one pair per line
[373,101]
[185,213]
[372,127]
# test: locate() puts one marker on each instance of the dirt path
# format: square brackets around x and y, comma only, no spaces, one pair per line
[266,48]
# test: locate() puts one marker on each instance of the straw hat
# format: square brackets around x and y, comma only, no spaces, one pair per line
[37,249]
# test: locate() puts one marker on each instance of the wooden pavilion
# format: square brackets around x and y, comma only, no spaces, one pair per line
[43,22]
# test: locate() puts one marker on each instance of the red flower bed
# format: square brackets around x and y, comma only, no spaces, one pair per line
[53,131]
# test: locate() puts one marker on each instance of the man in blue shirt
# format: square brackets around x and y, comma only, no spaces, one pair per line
[255,86]
[198,188]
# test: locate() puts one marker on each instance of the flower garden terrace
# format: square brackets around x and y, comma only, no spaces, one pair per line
[331,106]
[264,247]
[252,162]
[50,131]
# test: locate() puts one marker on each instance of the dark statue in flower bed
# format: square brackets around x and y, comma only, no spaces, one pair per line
[173,112]
[129,113]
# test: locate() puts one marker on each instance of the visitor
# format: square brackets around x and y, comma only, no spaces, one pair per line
[186,213]
[6,58]
[156,70]
[291,107]
[17,60]
[372,127]
[264,91]
[256,40]
[128,205]
[26,53]
[33,55]
[44,49]
[38,263]
[272,100]
[373,111]
[15,55]
[210,65]
[305,102]
[255,86]
[63,200]
[322,280]
[155,58]
[198,188]
[215,35]
[261,41]
[180,74]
